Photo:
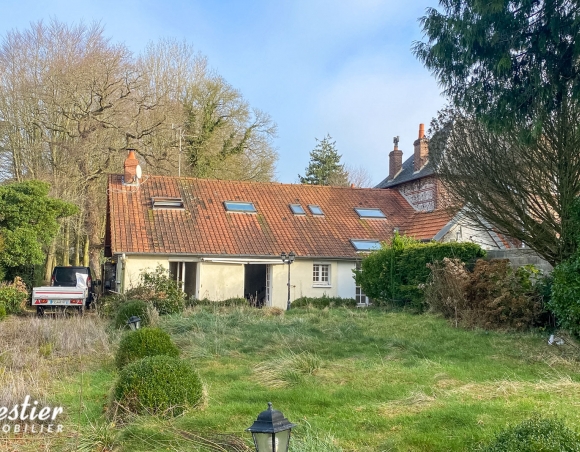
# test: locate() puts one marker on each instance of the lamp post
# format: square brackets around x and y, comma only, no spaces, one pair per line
[288,259]
[271,431]
[134,322]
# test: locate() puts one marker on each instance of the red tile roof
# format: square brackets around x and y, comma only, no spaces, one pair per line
[425,225]
[205,228]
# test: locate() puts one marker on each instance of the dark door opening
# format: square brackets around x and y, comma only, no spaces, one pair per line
[255,285]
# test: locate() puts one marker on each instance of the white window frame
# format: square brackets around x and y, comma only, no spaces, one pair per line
[318,274]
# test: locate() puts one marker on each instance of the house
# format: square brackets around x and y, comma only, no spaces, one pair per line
[416,181]
[223,239]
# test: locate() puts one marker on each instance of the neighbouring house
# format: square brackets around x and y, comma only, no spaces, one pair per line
[223,239]
[417,182]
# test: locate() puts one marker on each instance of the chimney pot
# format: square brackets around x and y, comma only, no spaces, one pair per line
[395,159]
[421,146]
[130,166]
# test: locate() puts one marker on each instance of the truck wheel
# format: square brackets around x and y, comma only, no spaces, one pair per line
[81,310]
[39,311]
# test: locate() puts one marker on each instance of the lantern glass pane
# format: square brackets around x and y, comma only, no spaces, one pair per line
[283,440]
[263,441]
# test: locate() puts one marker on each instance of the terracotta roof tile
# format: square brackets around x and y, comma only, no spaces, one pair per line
[425,225]
[204,227]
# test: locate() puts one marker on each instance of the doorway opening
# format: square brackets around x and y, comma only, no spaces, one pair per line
[185,274]
[257,284]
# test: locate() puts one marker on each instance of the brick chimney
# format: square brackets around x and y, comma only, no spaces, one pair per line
[395,159]
[131,164]
[421,149]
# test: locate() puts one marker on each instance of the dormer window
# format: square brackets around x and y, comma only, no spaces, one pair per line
[164,202]
[239,206]
[370,213]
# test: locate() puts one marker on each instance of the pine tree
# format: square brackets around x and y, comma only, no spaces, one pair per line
[325,167]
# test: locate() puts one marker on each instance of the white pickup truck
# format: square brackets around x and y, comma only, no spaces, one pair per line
[60,298]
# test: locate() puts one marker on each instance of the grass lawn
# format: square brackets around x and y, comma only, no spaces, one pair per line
[353,380]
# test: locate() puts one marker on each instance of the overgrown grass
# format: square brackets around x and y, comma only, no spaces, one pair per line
[353,380]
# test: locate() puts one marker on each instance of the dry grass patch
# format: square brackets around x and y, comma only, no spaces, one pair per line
[509,388]
[39,350]
[416,402]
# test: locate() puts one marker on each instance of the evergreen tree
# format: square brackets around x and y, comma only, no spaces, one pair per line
[325,167]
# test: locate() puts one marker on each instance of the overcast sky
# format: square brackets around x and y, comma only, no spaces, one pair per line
[338,67]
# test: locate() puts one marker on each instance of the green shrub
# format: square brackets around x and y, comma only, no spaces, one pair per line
[565,303]
[396,272]
[239,301]
[142,343]
[2,311]
[129,309]
[535,435]
[323,302]
[161,290]
[13,296]
[159,385]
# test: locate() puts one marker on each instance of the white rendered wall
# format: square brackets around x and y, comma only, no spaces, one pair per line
[130,275]
[219,281]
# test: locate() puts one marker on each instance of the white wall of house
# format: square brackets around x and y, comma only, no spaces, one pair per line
[340,284]
[220,281]
[129,272]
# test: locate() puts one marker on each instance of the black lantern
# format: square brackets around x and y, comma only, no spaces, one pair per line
[134,322]
[271,431]
[288,259]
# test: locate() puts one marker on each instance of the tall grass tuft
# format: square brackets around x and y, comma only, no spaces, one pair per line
[311,440]
[288,369]
[37,351]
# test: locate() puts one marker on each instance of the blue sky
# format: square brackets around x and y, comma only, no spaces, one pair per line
[338,67]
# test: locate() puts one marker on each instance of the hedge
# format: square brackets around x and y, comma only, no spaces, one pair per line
[395,273]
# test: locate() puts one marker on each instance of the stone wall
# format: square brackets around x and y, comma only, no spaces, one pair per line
[519,257]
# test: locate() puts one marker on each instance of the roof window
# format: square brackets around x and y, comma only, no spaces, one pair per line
[239,206]
[366,245]
[316,210]
[370,213]
[163,202]
[297,209]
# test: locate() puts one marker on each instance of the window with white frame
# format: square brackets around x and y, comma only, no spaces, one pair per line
[321,274]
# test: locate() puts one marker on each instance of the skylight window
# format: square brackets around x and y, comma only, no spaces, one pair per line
[366,245]
[316,210]
[163,202]
[297,209]
[370,213]
[239,206]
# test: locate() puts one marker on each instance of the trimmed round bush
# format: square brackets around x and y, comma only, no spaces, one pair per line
[128,310]
[535,435]
[158,385]
[142,343]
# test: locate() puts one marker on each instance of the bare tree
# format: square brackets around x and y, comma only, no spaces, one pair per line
[511,182]
[358,176]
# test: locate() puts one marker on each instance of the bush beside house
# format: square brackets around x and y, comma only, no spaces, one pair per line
[396,272]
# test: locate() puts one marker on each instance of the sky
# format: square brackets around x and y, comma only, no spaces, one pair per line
[317,67]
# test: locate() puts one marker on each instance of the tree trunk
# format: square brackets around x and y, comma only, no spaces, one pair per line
[50,261]
[86,257]
[77,261]
[66,250]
